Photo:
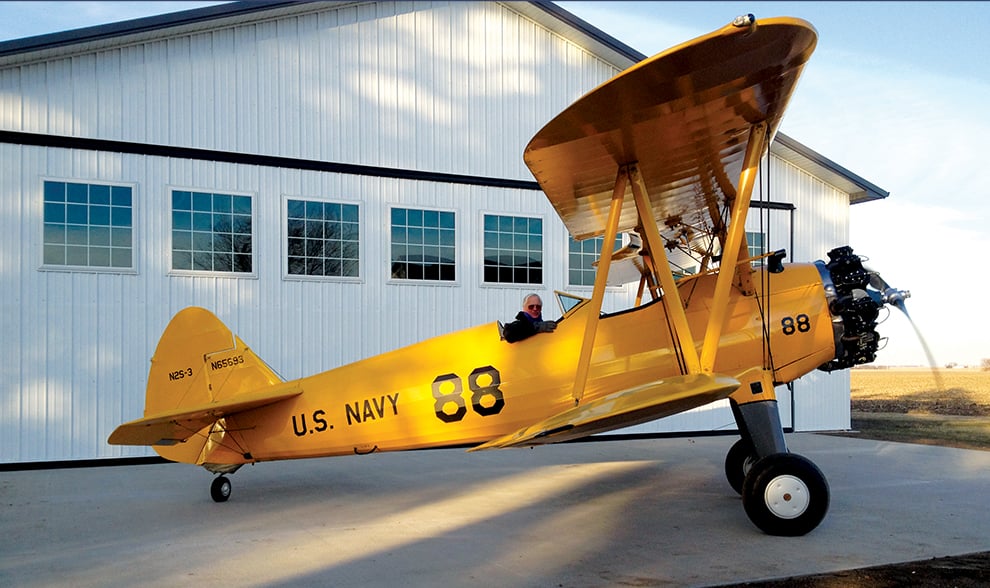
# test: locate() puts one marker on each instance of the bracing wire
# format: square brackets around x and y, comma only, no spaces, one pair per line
[765,273]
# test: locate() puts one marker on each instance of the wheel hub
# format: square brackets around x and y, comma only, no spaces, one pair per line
[787,497]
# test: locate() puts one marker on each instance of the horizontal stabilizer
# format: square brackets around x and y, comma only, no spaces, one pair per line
[622,409]
[176,426]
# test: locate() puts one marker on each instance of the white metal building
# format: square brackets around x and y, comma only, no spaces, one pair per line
[332,179]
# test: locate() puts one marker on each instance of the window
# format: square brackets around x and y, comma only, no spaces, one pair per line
[754,244]
[513,249]
[423,245]
[323,239]
[211,232]
[580,256]
[88,225]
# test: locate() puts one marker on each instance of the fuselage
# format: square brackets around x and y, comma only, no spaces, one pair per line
[470,386]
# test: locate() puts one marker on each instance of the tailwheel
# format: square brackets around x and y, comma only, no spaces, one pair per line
[785,494]
[220,489]
[738,461]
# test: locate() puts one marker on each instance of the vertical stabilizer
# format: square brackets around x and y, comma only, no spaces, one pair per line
[199,361]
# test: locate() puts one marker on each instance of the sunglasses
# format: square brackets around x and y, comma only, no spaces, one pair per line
[535,306]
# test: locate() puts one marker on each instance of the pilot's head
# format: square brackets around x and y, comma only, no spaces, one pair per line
[533,306]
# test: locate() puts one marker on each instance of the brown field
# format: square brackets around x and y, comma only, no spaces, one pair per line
[962,392]
[915,406]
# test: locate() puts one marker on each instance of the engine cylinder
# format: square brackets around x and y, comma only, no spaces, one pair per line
[853,310]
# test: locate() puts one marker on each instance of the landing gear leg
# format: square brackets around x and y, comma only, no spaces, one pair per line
[783,493]
[220,489]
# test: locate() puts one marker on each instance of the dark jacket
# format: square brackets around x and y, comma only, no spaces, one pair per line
[522,328]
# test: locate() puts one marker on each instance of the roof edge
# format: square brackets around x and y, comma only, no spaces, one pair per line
[139,25]
[858,188]
[586,28]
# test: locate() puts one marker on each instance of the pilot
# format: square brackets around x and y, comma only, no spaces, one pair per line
[529,321]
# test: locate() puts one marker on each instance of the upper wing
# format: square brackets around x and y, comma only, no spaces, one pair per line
[683,116]
[622,409]
[175,426]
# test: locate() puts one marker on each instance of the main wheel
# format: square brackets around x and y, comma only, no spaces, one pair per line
[785,494]
[220,489]
[738,461]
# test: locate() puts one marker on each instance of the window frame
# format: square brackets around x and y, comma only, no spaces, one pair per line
[621,241]
[750,245]
[284,247]
[132,269]
[541,285]
[169,205]
[389,278]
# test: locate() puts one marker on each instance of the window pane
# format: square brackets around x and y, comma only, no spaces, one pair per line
[54,255]
[54,212]
[221,203]
[297,209]
[242,205]
[76,256]
[203,261]
[99,215]
[76,235]
[181,241]
[120,216]
[76,214]
[120,196]
[120,257]
[181,260]
[54,233]
[120,237]
[202,202]
[99,195]
[78,193]
[99,236]
[99,256]
[181,200]
[54,191]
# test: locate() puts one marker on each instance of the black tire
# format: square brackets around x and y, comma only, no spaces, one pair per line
[785,494]
[738,461]
[220,489]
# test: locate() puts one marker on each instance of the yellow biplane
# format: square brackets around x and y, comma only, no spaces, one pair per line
[668,150]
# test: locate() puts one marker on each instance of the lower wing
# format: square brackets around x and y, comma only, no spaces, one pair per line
[622,409]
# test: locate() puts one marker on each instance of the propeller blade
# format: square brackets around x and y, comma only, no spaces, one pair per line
[894,297]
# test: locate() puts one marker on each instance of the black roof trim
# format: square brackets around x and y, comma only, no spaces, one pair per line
[589,29]
[139,25]
[869,190]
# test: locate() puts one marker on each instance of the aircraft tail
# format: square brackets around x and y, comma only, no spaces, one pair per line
[200,373]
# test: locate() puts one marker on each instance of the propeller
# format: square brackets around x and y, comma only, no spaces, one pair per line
[884,293]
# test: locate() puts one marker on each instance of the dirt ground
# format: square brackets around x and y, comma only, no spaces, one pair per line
[967,571]
[951,408]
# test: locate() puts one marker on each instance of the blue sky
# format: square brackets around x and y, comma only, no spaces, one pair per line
[896,92]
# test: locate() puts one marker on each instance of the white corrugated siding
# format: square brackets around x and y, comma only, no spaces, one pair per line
[457,88]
